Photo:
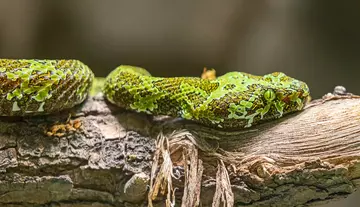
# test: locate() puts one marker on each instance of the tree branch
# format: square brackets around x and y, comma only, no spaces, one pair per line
[103,156]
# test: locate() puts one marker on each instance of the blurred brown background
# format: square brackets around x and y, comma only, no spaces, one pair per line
[316,41]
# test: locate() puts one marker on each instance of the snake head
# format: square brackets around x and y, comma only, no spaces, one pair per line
[285,94]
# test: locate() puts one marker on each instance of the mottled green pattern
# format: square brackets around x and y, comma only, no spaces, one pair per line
[35,87]
[234,100]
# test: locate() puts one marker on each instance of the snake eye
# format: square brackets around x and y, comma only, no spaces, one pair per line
[269,95]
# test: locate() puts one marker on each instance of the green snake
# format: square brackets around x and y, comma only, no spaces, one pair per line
[37,87]
[234,100]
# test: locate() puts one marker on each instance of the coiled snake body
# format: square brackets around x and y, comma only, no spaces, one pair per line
[234,100]
[35,87]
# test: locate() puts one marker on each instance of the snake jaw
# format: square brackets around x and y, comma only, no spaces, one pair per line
[279,105]
[264,110]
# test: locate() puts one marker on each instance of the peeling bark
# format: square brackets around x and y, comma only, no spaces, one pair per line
[103,156]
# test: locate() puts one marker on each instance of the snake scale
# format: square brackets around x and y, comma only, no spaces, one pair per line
[234,100]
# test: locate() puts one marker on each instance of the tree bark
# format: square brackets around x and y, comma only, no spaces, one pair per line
[105,156]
